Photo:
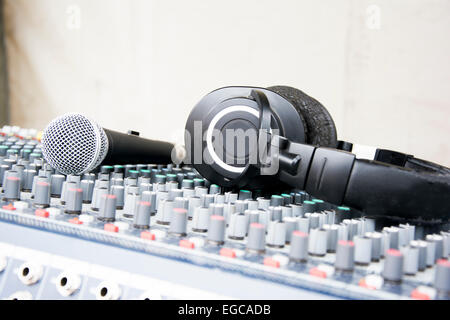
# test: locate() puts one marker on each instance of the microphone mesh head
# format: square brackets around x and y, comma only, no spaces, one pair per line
[73,144]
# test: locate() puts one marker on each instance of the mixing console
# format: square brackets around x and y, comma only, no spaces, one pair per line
[163,232]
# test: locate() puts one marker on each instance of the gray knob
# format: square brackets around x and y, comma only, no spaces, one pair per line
[291,225]
[314,220]
[145,187]
[12,188]
[216,231]
[422,255]
[187,184]
[276,234]
[200,219]
[275,213]
[150,196]
[244,195]
[28,176]
[119,192]
[253,216]
[345,253]
[299,246]
[178,222]
[200,191]
[174,193]
[56,183]
[297,210]
[376,239]
[442,277]
[193,203]
[393,237]
[107,212]
[97,197]
[217,209]
[207,199]
[88,189]
[116,182]
[363,250]
[42,195]
[132,199]
[263,204]
[276,200]
[303,224]
[74,200]
[142,216]
[410,259]
[431,252]
[164,213]
[214,188]
[238,225]
[439,244]
[309,206]
[180,202]
[317,245]
[256,238]
[393,266]
[342,213]
[332,236]
[241,205]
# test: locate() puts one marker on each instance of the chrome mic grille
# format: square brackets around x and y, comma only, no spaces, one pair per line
[73,144]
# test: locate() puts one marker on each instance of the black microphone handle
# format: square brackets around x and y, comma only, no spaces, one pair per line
[131,149]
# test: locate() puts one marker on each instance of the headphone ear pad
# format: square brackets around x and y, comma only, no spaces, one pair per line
[320,127]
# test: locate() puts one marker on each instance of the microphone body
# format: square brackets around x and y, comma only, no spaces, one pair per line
[74,144]
[126,148]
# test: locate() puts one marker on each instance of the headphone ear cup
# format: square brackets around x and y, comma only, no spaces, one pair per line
[320,127]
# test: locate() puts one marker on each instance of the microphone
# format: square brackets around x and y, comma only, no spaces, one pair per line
[74,144]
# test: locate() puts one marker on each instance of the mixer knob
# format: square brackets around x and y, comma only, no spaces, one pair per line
[332,236]
[107,212]
[276,234]
[145,187]
[297,210]
[345,253]
[314,220]
[42,195]
[201,191]
[241,205]
[207,199]
[263,204]
[74,200]
[275,213]
[214,188]
[317,245]
[299,246]
[88,189]
[303,224]
[309,206]
[118,191]
[142,216]
[28,176]
[439,244]
[393,237]
[12,188]
[431,252]
[193,203]
[393,266]
[422,253]
[216,230]
[410,260]
[180,202]
[244,195]
[363,250]
[56,183]
[276,201]
[187,184]
[97,197]
[376,239]
[342,213]
[164,213]
[442,277]
[200,219]
[178,222]
[256,238]
[237,228]
[132,199]
[291,225]
[174,193]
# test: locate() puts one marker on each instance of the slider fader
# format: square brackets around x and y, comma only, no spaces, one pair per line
[163,232]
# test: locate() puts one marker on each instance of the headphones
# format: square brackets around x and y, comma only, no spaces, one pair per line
[258,137]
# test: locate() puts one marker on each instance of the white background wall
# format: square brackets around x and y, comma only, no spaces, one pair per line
[381,67]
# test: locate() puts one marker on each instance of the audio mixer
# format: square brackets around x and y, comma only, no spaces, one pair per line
[163,232]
